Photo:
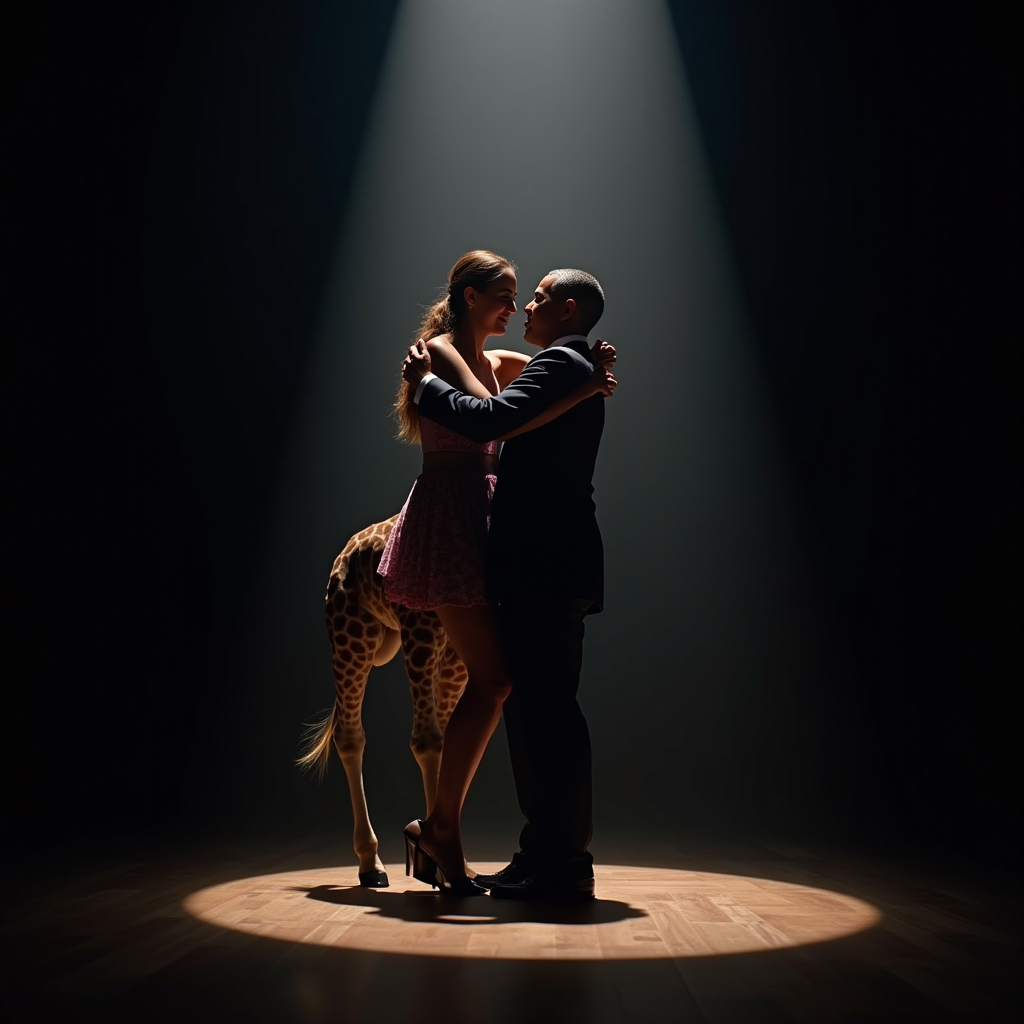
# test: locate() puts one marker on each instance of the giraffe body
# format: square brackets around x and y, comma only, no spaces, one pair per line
[367,630]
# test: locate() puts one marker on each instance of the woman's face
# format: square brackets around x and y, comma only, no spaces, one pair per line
[492,307]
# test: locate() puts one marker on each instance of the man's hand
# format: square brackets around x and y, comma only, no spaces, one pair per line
[417,363]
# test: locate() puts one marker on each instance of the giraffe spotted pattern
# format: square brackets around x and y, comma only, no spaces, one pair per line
[365,629]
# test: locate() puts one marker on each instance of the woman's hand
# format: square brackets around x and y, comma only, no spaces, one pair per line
[603,353]
[602,381]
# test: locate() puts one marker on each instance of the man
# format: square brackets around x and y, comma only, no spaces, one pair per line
[545,568]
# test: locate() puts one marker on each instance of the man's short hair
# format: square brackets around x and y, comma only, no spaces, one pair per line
[584,290]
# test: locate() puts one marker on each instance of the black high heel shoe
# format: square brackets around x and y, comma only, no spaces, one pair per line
[424,868]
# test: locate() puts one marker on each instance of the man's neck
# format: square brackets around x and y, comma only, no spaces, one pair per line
[573,336]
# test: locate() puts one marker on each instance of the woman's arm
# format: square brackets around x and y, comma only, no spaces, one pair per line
[446,362]
[546,378]
[507,365]
[601,381]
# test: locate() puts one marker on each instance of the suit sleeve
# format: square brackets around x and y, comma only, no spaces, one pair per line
[545,379]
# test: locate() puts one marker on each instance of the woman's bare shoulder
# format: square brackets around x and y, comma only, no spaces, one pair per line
[507,365]
[443,348]
[444,353]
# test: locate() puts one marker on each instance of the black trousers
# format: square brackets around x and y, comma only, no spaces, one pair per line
[548,739]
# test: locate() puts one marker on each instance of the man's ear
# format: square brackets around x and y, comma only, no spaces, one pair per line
[568,310]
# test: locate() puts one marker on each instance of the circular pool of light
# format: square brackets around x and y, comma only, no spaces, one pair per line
[639,913]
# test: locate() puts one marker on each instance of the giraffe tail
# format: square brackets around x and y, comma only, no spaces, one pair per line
[317,739]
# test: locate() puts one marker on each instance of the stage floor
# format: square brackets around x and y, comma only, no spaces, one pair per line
[276,933]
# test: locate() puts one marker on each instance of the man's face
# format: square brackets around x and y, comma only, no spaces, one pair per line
[544,321]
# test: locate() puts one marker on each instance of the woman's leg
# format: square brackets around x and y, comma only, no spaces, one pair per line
[473,632]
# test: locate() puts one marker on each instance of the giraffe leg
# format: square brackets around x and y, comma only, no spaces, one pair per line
[355,639]
[449,684]
[422,644]
[350,744]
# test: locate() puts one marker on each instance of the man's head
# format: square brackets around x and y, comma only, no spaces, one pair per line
[565,302]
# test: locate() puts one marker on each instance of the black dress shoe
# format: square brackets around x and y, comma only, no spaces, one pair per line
[563,883]
[519,870]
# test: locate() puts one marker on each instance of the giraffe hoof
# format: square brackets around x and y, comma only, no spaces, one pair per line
[374,879]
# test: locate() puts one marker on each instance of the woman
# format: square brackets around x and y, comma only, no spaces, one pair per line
[434,557]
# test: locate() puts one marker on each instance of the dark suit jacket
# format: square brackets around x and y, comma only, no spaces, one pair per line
[544,543]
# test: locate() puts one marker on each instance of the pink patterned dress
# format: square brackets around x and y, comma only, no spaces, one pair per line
[435,554]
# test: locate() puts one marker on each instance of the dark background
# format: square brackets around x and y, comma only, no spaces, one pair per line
[176,178]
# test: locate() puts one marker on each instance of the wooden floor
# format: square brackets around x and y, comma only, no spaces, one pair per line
[643,913]
[283,934]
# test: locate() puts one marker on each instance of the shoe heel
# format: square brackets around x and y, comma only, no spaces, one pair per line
[410,854]
[419,863]
[424,869]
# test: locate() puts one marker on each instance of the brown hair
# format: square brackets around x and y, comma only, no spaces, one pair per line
[476,269]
